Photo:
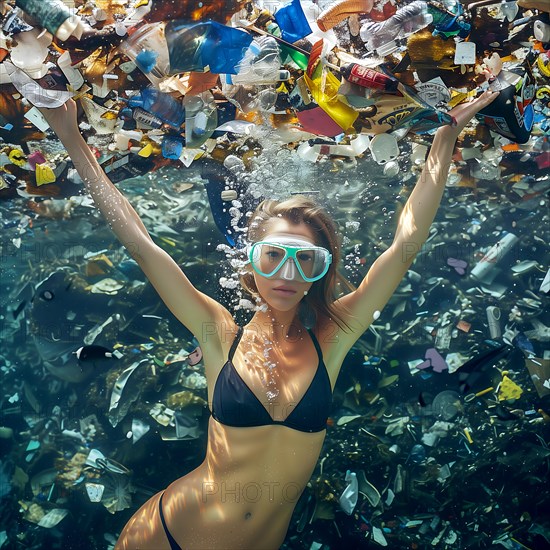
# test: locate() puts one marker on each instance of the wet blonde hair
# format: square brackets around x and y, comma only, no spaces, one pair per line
[300,209]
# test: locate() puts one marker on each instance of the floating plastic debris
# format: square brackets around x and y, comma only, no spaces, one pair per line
[446,405]
[348,499]
[119,407]
[508,389]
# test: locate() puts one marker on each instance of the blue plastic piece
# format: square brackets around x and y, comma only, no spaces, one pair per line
[172,147]
[292,22]
[199,46]
[162,105]
[522,342]
[146,60]
[418,454]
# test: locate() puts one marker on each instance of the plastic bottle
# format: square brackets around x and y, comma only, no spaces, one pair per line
[259,70]
[250,98]
[207,44]
[485,268]
[261,64]
[159,104]
[54,16]
[146,118]
[148,49]
[201,118]
[511,114]
[493,319]
[366,78]
[406,21]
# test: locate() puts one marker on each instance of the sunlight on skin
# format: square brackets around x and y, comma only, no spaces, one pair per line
[195,508]
[406,223]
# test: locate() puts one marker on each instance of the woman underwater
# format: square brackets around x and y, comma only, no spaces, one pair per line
[270,382]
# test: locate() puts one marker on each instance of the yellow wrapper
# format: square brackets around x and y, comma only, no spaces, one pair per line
[327,98]
[44,174]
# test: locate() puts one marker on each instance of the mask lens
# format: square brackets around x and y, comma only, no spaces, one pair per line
[311,261]
[267,258]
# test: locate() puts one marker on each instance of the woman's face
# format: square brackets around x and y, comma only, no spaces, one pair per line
[281,292]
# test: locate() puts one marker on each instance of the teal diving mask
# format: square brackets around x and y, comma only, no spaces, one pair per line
[290,259]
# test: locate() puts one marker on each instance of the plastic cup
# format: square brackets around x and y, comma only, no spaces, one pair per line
[148,49]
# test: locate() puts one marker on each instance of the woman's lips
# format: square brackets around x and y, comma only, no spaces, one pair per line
[285,291]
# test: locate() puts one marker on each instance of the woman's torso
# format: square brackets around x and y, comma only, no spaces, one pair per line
[245,491]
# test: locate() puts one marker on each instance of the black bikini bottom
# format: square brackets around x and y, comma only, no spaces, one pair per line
[173,544]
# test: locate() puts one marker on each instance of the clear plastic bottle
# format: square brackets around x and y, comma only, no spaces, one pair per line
[261,64]
[259,71]
[196,46]
[407,20]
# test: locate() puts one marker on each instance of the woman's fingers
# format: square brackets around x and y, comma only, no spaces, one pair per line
[468,110]
[464,112]
[483,100]
[487,97]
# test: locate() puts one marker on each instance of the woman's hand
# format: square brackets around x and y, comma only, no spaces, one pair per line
[62,120]
[464,112]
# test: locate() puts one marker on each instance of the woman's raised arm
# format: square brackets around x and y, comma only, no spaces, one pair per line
[193,308]
[390,267]
[114,206]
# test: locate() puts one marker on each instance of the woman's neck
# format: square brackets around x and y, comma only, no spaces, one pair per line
[277,326]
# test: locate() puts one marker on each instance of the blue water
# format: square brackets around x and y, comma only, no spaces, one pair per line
[447,488]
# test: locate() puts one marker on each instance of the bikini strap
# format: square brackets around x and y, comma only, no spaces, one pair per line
[316,344]
[235,343]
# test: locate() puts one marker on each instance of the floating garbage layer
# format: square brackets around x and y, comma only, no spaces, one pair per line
[439,432]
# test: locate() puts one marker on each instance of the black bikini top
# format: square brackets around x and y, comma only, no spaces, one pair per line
[235,404]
